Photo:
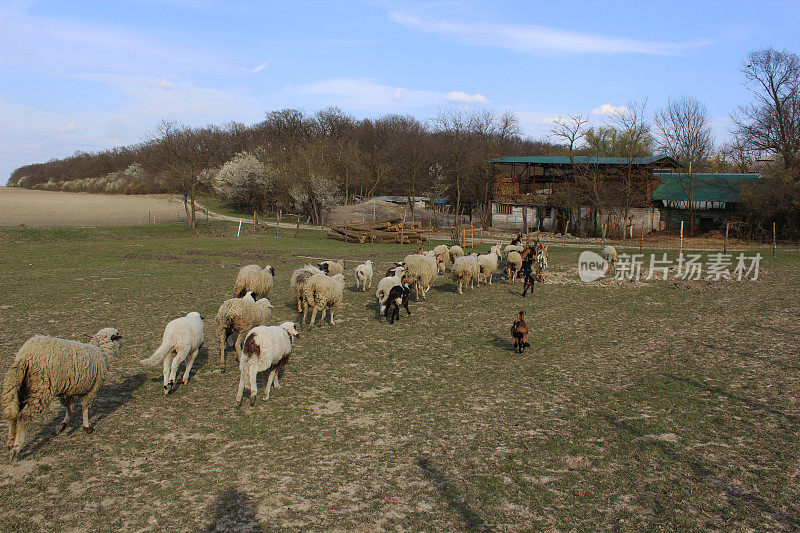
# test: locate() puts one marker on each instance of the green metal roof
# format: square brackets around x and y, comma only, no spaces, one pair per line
[586,160]
[705,187]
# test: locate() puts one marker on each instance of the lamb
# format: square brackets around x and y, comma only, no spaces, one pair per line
[519,332]
[182,338]
[513,265]
[298,282]
[384,286]
[609,253]
[322,293]
[422,270]
[332,268]
[48,366]
[455,252]
[266,348]
[488,263]
[364,275]
[438,260]
[512,248]
[398,295]
[238,316]
[398,270]
[465,270]
[252,278]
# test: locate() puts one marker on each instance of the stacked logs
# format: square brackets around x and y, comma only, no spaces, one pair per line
[386,231]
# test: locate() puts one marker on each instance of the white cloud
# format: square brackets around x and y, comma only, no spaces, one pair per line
[367,94]
[459,96]
[164,84]
[259,68]
[609,110]
[71,126]
[540,40]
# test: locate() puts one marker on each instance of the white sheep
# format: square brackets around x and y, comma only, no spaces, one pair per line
[437,259]
[46,367]
[512,248]
[609,253]
[181,341]
[332,268]
[322,293]
[266,348]
[421,271]
[455,252]
[237,316]
[466,269]
[252,278]
[444,252]
[384,286]
[298,282]
[489,263]
[513,265]
[364,275]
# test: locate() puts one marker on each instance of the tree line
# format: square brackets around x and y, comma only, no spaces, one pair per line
[304,162]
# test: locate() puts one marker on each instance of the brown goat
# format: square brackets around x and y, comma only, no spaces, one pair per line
[519,332]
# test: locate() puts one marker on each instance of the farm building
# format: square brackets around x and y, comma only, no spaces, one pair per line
[715,198]
[525,187]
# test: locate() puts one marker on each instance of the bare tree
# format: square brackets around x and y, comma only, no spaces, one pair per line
[685,135]
[771,123]
[569,129]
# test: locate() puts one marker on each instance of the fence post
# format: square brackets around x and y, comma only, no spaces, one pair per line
[725,244]
[773,239]
[641,238]
[564,242]
[681,250]
[239,231]
[278,225]
[297,227]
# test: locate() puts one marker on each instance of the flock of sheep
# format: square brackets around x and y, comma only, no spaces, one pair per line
[48,367]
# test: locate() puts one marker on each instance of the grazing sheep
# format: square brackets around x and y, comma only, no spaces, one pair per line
[455,252]
[332,268]
[364,275]
[48,366]
[252,278]
[489,263]
[322,293]
[298,282]
[465,270]
[266,348]
[182,338]
[609,253]
[398,295]
[513,265]
[421,269]
[519,332]
[237,316]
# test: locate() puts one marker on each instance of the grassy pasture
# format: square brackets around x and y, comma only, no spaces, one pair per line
[655,405]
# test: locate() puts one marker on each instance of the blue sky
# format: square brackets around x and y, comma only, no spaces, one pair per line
[91,75]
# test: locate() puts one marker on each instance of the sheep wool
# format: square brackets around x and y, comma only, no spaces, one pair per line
[455,252]
[298,282]
[252,278]
[364,275]
[322,293]
[609,253]
[332,268]
[237,316]
[266,348]
[421,270]
[384,287]
[465,270]
[512,248]
[489,263]
[181,341]
[513,265]
[444,252]
[46,367]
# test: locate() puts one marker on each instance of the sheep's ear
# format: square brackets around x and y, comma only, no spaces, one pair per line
[116,337]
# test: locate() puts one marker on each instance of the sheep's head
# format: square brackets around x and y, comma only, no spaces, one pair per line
[323,266]
[249,295]
[291,329]
[264,302]
[368,262]
[339,278]
[107,335]
[270,269]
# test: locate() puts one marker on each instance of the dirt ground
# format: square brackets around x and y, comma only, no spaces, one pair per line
[51,208]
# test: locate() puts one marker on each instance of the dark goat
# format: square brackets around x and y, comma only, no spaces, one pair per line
[519,332]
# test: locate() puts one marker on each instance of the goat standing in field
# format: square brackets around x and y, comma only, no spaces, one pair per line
[519,332]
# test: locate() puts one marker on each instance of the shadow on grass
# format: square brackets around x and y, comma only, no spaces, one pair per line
[766,360]
[234,511]
[109,399]
[747,401]
[473,521]
[705,474]
[502,343]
